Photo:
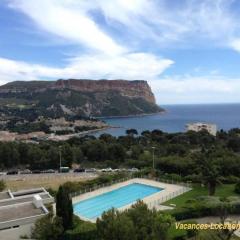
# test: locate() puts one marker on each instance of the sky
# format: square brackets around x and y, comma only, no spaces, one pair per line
[187,50]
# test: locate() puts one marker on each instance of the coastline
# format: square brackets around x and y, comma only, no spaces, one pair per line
[133,115]
[80,134]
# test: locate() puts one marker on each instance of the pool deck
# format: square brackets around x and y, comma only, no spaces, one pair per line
[153,201]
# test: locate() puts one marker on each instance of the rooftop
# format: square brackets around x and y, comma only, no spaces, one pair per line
[25,199]
[22,207]
[4,195]
[17,211]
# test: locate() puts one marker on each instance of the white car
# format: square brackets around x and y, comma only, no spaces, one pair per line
[134,170]
[107,170]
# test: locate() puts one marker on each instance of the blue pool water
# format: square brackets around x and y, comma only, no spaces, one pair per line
[93,207]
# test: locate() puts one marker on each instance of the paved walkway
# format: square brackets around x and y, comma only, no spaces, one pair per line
[169,191]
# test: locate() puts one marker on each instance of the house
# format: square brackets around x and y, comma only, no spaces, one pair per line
[196,127]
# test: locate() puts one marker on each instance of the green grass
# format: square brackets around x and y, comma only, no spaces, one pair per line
[224,190]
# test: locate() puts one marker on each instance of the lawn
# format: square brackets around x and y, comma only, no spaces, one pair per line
[223,190]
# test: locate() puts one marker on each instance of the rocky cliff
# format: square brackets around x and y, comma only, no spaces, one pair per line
[137,88]
[84,97]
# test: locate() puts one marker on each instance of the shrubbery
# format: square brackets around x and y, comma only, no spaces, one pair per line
[237,188]
[206,206]
[81,230]
[103,179]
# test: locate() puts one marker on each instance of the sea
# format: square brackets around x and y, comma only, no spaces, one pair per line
[175,118]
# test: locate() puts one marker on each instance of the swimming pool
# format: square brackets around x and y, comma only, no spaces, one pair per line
[93,207]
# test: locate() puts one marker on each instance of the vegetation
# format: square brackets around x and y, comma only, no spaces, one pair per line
[54,102]
[27,127]
[210,164]
[237,188]
[64,209]
[48,227]
[222,191]
[137,223]
[197,157]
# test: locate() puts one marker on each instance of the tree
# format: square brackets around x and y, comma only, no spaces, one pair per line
[96,150]
[108,138]
[47,227]
[148,224]
[116,152]
[64,208]
[114,225]
[67,155]
[131,131]
[77,155]
[210,170]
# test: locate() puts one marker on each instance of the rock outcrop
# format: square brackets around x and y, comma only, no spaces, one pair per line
[85,97]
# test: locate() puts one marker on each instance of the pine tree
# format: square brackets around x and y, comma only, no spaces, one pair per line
[64,207]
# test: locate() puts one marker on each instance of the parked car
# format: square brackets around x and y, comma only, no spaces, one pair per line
[64,169]
[36,171]
[107,170]
[116,170]
[48,171]
[26,171]
[12,172]
[77,170]
[133,170]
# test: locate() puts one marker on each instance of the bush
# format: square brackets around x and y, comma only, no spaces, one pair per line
[229,179]
[48,227]
[195,178]
[237,188]
[82,230]
[191,232]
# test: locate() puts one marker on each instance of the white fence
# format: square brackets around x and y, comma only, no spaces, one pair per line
[157,202]
[186,186]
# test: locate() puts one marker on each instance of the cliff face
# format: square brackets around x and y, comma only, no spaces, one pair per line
[130,89]
[138,88]
[86,97]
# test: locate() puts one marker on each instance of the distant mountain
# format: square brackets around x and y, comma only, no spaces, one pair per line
[96,98]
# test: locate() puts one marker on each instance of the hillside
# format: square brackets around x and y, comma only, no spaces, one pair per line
[73,97]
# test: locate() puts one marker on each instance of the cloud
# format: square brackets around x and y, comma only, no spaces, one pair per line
[11,70]
[235,44]
[114,34]
[129,66]
[164,22]
[196,89]
[67,22]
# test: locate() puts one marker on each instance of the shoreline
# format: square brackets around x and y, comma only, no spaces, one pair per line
[132,116]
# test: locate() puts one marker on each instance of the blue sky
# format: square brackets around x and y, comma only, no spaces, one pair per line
[188,50]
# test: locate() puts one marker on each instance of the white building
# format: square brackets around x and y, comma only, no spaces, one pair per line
[196,127]
[19,211]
